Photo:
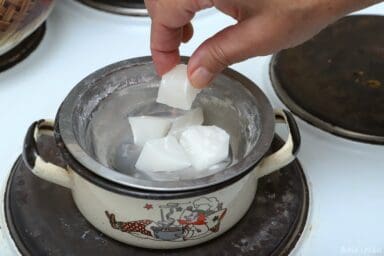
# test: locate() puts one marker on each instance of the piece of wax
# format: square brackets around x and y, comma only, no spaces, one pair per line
[175,89]
[193,117]
[145,128]
[205,145]
[161,155]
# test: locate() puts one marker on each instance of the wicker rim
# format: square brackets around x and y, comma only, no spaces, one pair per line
[12,10]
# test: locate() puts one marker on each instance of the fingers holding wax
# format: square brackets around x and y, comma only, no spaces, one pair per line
[264,27]
[170,27]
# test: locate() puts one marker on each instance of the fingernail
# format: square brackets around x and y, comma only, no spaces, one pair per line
[201,77]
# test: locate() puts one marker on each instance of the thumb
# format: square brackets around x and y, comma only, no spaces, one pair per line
[231,45]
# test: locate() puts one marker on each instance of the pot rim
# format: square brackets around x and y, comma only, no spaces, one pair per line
[229,175]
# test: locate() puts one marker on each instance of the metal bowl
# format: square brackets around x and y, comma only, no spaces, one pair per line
[19,19]
[93,124]
[123,7]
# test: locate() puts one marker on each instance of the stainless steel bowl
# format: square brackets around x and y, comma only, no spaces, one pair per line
[19,19]
[93,124]
[123,7]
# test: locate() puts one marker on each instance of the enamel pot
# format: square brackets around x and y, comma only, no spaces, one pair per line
[92,131]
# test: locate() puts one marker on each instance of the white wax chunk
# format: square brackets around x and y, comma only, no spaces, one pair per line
[175,89]
[205,145]
[193,117]
[163,154]
[145,128]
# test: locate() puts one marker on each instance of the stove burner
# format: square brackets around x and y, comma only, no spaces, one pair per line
[23,50]
[336,81]
[124,7]
[43,219]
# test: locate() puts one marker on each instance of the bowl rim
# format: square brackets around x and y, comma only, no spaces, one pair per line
[65,132]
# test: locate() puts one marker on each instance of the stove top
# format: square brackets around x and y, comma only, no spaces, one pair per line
[124,7]
[345,177]
[336,81]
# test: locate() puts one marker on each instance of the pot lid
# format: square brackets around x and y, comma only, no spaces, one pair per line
[93,124]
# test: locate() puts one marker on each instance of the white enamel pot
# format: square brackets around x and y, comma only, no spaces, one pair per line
[158,214]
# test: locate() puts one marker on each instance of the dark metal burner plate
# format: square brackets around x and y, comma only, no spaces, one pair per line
[43,219]
[22,50]
[336,81]
[124,7]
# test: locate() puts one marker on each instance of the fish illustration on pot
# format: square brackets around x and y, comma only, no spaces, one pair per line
[178,221]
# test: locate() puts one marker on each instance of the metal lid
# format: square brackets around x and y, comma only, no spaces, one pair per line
[93,123]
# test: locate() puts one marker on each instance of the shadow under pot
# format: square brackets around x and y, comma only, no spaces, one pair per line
[93,133]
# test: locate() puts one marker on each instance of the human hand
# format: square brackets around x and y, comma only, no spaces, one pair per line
[263,27]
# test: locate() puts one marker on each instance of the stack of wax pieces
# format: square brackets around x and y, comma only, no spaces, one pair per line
[172,145]
[175,89]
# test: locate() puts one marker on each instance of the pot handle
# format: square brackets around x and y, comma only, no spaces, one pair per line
[286,153]
[32,159]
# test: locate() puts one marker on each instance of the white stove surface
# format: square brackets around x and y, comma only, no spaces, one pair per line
[346,178]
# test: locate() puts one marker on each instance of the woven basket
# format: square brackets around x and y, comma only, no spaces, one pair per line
[13,11]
